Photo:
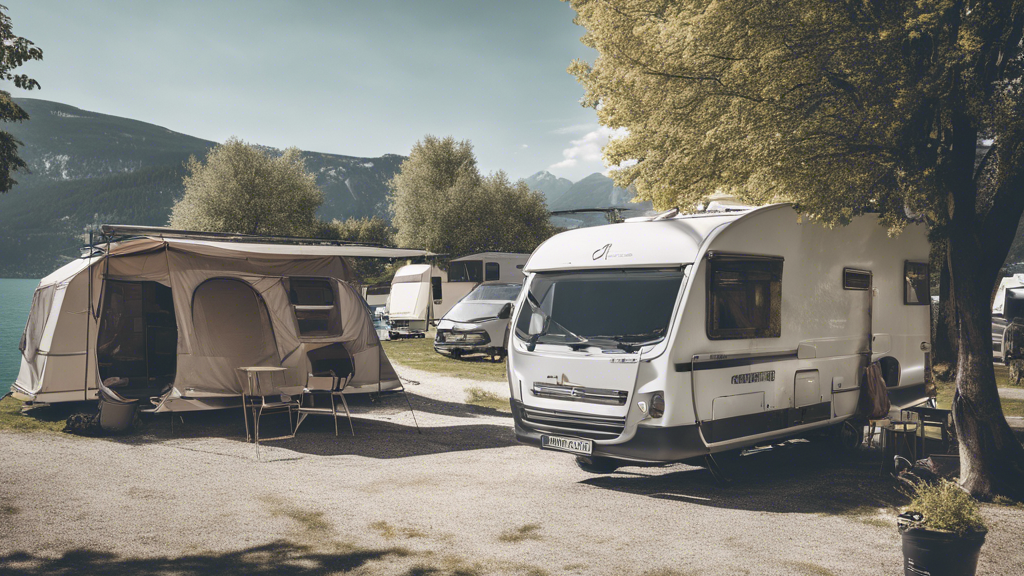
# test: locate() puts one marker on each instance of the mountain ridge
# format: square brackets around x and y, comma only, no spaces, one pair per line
[88,168]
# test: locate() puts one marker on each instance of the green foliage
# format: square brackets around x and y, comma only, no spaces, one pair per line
[439,201]
[364,230]
[842,107]
[14,51]
[243,189]
[373,230]
[946,507]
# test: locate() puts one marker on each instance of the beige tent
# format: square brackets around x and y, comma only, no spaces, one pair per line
[172,315]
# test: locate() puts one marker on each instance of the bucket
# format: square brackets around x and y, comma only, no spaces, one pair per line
[932,553]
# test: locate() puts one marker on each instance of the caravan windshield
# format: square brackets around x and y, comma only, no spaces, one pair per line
[617,309]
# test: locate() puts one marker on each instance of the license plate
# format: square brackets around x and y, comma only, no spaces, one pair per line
[574,445]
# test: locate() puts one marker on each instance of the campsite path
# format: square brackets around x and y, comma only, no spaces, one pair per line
[1012,393]
[462,497]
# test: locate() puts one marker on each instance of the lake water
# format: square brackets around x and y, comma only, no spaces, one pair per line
[15,300]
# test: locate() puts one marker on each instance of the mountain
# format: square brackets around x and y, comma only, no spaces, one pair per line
[548,184]
[89,168]
[597,191]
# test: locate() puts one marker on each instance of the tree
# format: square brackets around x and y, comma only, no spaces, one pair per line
[439,201]
[373,230]
[14,51]
[843,107]
[243,189]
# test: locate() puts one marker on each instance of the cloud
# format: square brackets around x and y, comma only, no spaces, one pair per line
[524,146]
[576,128]
[587,149]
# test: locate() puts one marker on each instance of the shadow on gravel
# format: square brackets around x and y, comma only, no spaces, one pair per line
[280,557]
[802,477]
[375,436]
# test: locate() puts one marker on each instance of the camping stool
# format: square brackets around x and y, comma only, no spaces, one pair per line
[254,398]
[899,438]
[930,417]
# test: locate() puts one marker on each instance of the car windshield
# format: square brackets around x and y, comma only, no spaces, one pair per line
[473,311]
[619,309]
[505,292]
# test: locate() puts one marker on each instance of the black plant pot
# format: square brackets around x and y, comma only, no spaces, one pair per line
[932,553]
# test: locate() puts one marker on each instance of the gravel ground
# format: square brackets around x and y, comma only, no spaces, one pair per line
[461,498]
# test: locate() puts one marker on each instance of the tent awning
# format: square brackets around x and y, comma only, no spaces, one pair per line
[131,239]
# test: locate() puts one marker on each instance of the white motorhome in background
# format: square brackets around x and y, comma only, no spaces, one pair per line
[423,293]
[1007,305]
[676,337]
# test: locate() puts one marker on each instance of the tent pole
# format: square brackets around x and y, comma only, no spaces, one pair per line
[88,320]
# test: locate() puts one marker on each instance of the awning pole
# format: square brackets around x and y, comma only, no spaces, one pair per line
[88,320]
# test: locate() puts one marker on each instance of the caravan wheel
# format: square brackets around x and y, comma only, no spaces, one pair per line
[597,464]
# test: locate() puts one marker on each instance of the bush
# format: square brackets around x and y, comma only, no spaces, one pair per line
[946,507]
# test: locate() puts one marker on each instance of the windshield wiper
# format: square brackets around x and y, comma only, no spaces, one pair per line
[629,342]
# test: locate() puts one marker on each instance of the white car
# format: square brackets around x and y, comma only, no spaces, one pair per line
[478,323]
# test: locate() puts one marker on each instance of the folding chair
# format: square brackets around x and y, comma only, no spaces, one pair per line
[331,365]
[260,400]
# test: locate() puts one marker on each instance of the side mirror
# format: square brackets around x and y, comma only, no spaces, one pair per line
[538,323]
[506,311]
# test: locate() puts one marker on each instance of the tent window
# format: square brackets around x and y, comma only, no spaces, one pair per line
[916,289]
[42,301]
[744,298]
[466,271]
[492,271]
[232,321]
[856,279]
[315,306]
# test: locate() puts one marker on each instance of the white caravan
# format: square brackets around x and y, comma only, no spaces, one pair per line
[1007,305]
[421,294]
[173,315]
[676,337]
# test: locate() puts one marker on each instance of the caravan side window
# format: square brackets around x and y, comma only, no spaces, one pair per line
[744,297]
[466,271]
[492,271]
[916,290]
[314,304]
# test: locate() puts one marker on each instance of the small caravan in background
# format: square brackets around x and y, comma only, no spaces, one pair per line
[1007,305]
[423,293]
[677,337]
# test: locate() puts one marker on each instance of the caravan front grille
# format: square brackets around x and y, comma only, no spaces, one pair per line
[585,425]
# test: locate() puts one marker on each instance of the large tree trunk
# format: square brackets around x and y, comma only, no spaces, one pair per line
[944,349]
[991,457]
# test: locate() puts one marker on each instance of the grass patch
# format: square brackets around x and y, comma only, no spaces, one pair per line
[419,353]
[1009,502]
[11,418]
[944,399]
[524,532]
[811,568]
[479,397]
[869,515]
[390,532]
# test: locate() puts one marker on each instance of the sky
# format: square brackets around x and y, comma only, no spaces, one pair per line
[360,78]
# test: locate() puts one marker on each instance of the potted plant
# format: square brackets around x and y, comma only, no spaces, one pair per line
[942,531]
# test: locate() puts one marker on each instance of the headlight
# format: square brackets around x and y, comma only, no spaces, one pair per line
[657,409]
